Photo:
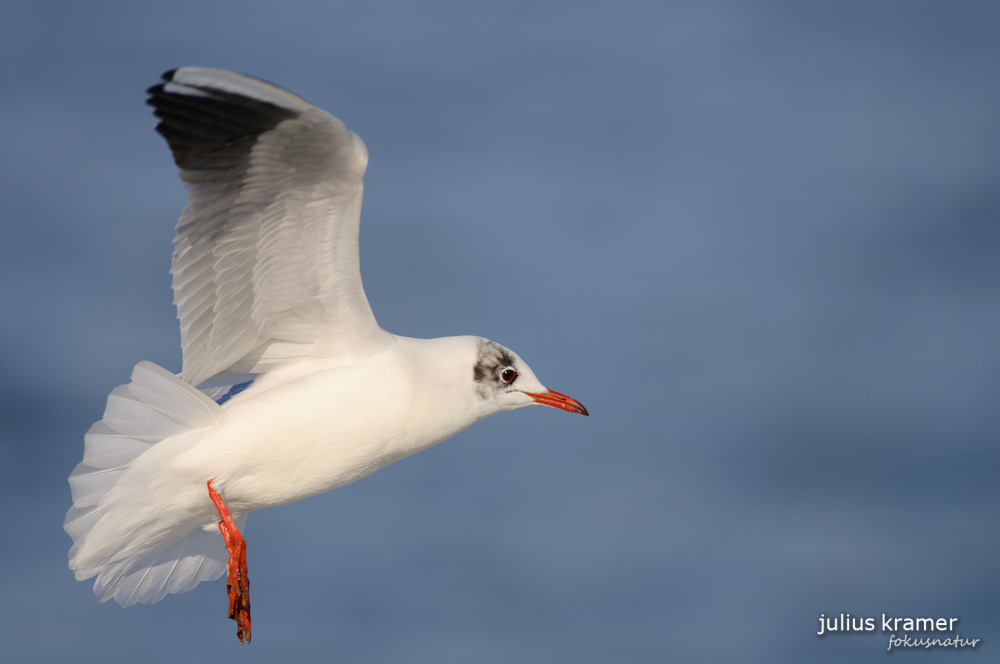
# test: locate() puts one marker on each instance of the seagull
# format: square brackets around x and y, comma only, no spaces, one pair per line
[289,387]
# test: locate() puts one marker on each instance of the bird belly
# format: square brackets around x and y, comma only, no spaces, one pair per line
[319,433]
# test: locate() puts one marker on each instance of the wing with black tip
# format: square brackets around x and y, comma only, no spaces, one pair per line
[266,266]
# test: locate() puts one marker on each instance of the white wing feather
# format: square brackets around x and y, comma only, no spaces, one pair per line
[266,266]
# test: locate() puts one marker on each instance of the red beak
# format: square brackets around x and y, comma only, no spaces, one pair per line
[557,400]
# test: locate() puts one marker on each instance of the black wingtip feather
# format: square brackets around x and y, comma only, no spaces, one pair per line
[212,131]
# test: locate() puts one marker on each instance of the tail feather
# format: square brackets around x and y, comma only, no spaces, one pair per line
[201,556]
[136,561]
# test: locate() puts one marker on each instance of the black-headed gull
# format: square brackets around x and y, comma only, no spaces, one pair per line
[289,387]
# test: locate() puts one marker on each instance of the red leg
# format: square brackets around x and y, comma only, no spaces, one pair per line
[237,583]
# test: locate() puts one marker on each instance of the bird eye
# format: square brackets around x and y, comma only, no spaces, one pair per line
[508,375]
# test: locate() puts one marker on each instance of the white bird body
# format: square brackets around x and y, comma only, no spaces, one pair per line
[310,429]
[267,282]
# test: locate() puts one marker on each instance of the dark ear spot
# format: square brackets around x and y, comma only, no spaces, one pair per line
[478,372]
[486,372]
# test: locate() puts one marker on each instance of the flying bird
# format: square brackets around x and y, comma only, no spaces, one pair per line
[289,387]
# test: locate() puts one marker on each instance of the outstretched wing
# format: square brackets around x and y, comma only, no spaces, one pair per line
[265,266]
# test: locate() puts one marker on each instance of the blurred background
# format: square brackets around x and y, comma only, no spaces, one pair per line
[759,241]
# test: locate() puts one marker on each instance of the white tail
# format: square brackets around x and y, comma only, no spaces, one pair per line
[140,541]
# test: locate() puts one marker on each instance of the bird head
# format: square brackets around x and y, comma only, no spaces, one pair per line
[503,381]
